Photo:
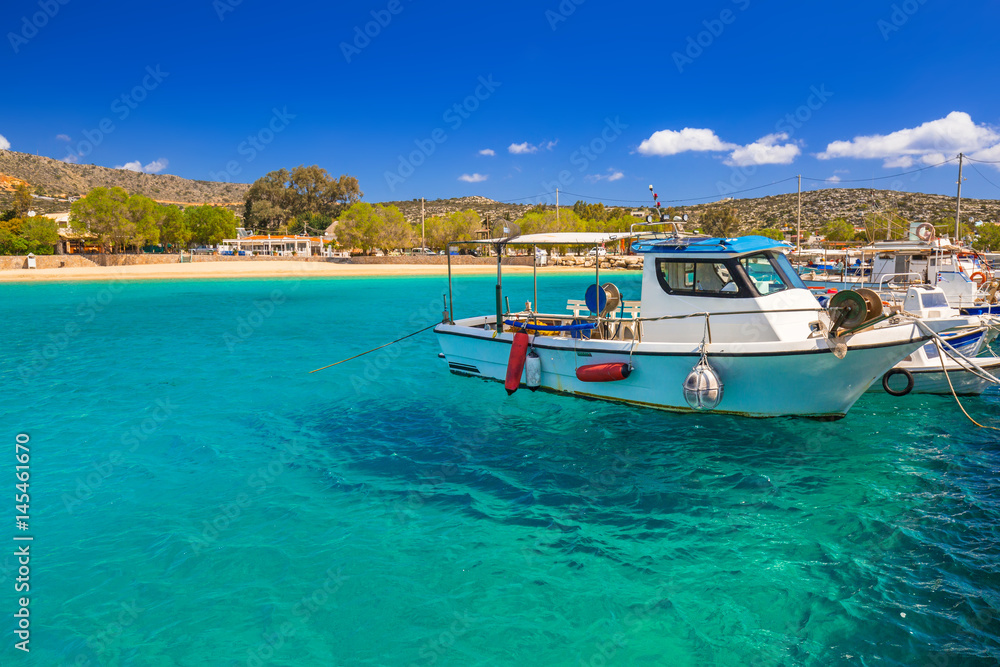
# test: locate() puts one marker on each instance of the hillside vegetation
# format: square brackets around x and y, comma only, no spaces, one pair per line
[59,180]
[49,177]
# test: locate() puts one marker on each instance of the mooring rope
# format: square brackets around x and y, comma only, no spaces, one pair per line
[377,348]
[941,354]
[972,366]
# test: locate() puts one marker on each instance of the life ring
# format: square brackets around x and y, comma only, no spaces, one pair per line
[982,278]
[925,232]
[896,371]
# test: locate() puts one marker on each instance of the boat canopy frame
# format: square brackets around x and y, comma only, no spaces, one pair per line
[542,239]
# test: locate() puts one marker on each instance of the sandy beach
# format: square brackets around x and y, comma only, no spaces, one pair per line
[251,269]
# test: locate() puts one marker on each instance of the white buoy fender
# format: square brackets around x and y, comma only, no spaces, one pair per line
[702,387]
[533,370]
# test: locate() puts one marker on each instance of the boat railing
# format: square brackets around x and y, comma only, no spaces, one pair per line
[885,281]
[624,327]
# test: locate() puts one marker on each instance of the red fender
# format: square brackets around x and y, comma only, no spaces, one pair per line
[603,372]
[515,363]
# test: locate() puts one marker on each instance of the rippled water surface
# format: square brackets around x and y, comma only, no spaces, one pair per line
[198,498]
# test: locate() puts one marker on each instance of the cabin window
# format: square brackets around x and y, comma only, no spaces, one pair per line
[770,273]
[934,300]
[701,278]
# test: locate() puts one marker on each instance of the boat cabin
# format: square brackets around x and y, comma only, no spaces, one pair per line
[746,284]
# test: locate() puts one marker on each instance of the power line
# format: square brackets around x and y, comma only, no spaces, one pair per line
[511,201]
[759,187]
[970,159]
[881,178]
[674,201]
[984,176]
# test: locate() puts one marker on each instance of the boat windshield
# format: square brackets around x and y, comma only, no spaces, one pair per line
[934,300]
[770,273]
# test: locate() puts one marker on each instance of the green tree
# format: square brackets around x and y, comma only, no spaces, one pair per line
[104,213]
[12,244]
[41,235]
[174,231]
[274,199]
[144,216]
[395,231]
[309,223]
[838,230]
[457,226]
[268,202]
[885,224]
[946,227]
[209,225]
[720,221]
[367,227]
[987,237]
[769,232]
[22,200]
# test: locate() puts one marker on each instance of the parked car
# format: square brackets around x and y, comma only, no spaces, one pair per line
[597,252]
[422,251]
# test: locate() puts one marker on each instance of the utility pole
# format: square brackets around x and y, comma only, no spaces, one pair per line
[798,223]
[958,208]
[557,208]
[423,243]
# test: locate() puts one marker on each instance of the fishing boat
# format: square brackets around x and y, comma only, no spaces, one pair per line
[723,325]
[966,278]
[937,367]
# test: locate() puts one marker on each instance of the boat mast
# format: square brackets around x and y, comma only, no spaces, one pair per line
[798,224]
[958,207]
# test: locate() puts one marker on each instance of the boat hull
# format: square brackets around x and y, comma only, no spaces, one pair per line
[929,380]
[803,378]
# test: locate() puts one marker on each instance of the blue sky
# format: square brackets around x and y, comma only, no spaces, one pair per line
[511,100]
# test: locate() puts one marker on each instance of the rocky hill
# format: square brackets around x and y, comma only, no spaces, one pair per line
[482,205]
[61,181]
[820,206]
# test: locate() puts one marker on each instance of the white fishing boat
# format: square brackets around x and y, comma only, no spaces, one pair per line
[966,278]
[723,325]
[935,369]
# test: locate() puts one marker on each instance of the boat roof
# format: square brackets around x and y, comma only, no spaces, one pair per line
[690,246]
[565,238]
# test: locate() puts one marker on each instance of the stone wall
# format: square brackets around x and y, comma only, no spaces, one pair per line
[13,262]
[456,260]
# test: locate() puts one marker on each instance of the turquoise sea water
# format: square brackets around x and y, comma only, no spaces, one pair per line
[197,498]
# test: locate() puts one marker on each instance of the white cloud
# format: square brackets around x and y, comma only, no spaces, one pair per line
[765,150]
[672,142]
[833,179]
[518,149]
[473,178]
[552,144]
[930,143]
[4,144]
[154,167]
[488,151]
[63,137]
[71,158]
[611,176]
[992,153]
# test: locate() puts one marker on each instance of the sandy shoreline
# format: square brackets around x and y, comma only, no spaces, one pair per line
[251,269]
